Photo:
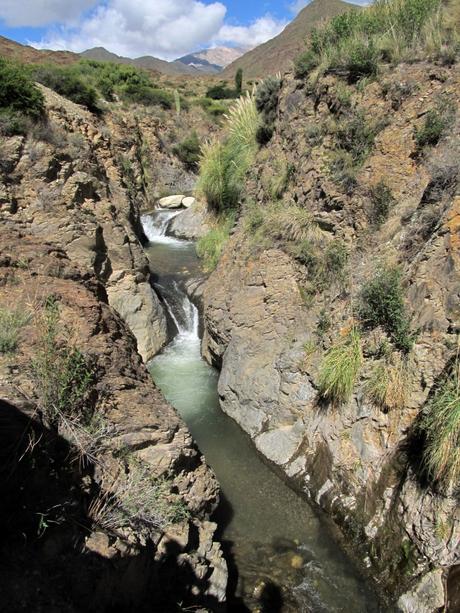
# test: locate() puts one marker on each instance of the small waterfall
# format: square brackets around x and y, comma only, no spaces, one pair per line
[181,309]
[155,226]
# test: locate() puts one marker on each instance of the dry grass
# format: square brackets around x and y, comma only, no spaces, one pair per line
[387,386]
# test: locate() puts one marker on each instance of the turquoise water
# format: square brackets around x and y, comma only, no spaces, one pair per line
[273,537]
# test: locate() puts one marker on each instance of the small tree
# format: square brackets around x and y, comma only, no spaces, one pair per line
[239,81]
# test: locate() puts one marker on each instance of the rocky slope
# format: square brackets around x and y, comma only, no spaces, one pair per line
[269,335]
[69,207]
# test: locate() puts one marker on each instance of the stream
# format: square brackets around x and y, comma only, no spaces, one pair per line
[282,554]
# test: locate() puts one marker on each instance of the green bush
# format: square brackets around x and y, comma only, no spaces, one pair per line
[188,151]
[324,265]
[68,83]
[340,368]
[437,121]
[440,424]
[305,63]
[266,98]
[356,135]
[21,102]
[11,323]
[343,171]
[221,92]
[381,303]
[382,201]
[239,81]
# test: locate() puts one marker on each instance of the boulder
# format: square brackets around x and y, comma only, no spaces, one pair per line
[188,201]
[190,224]
[171,202]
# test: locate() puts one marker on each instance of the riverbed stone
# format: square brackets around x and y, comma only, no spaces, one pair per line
[188,201]
[427,597]
[171,202]
[192,223]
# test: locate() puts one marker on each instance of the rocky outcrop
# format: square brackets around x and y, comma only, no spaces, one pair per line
[269,336]
[191,224]
[106,563]
[74,184]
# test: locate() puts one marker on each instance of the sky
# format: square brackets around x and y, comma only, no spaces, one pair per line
[163,28]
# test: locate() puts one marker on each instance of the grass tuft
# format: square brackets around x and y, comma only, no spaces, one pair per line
[340,368]
[387,386]
[11,323]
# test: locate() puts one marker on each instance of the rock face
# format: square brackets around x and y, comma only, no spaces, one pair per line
[69,212]
[354,459]
[191,224]
[77,189]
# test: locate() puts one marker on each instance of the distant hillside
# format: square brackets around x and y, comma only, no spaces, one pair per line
[23,53]
[277,54]
[151,63]
[213,60]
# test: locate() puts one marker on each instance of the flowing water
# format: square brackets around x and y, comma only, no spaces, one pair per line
[282,554]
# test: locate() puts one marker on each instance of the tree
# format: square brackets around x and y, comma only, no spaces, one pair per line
[239,81]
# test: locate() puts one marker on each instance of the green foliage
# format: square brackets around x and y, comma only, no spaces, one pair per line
[280,176]
[356,41]
[356,135]
[382,201]
[177,102]
[343,171]
[440,424]
[224,163]
[221,92]
[340,368]
[381,303]
[437,121]
[188,151]
[59,371]
[66,81]
[209,248]
[239,81]
[324,265]
[212,107]
[11,323]
[20,99]
[266,98]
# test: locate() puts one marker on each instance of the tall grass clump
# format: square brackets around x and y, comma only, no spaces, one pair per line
[267,95]
[224,163]
[357,41]
[209,248]
[11,323]
[387,386]
[440,424]
[340,368]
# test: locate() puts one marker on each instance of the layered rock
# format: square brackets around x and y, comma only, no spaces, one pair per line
[269,339]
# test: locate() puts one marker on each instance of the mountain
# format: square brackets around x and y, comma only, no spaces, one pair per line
[23,53]
[277,54]
[213,60]
[151,63]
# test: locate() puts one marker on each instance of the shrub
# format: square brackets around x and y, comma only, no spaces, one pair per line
[440,424]
[305,63]
[220,92]
[59,371]
[239,81]
[343,171]
[280,175]
[68,83]
[356,135]
[188,151]
[212,107]
[11,323]
[387,386]
[381,303]
[436,122]
[18,92]
[209,248]
[324,265]
[382,201]
[266,99]
[340,368]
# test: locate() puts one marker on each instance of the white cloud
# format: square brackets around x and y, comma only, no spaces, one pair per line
[42,12]
[163,28]
[256,33]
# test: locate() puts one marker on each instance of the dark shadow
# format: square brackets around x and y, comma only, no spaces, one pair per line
[271,599]
[46,561]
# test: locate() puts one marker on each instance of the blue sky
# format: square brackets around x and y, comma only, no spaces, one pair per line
[163,28]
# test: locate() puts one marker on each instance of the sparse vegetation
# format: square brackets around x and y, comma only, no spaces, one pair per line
[188,151]
[440,424]
[68,83]
[277,177]
[59,371]
[340,368]
[381,303]
[11,323]
[357,41]
[387,386]
[381,202]
[436,122]
[209,248]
